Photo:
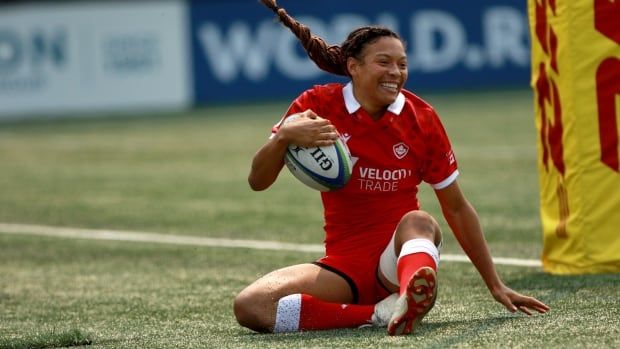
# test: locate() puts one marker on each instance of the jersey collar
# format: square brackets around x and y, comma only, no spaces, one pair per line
[353,105]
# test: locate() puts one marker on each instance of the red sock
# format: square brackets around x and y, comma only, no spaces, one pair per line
[320,315]
[409,264]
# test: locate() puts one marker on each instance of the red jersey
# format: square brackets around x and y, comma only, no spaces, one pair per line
[391,157]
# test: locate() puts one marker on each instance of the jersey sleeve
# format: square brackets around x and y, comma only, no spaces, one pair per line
[300,104]
[440,168]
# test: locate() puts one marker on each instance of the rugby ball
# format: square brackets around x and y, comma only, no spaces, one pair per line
[325,168]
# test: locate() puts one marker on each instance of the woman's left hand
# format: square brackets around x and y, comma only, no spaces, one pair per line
[514,301]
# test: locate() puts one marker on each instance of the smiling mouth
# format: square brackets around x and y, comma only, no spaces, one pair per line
[390,86]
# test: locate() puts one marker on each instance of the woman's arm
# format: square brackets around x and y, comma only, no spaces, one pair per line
[309,130]
[463,220]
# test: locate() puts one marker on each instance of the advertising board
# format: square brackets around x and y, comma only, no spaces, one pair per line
[57,58]
[241,53]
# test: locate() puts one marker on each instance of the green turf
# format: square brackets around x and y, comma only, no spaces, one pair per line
[185,173]
[47,339]
[158,296]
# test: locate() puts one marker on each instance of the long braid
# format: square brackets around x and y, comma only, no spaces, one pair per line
[326,57]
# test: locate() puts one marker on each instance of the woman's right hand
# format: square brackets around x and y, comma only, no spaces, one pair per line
[308,130]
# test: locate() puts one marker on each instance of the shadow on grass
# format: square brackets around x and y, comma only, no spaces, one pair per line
[367,335]
[295,337]
[558,291]
[49,339]
[595,296]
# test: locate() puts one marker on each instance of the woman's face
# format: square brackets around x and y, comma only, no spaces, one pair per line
[380,74]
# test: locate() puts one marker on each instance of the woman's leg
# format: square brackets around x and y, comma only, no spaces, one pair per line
[413,272]
[299,297]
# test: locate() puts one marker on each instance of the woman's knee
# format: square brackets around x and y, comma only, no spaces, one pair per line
[254,310]
[419,224]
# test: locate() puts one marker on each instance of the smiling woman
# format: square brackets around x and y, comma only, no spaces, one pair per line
[382,251]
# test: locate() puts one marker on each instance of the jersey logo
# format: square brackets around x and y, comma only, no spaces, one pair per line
[400,150]
[450,156]
[345,137]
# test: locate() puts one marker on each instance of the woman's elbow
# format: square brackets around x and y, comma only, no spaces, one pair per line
[257,185]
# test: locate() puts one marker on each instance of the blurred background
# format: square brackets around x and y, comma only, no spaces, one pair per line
[81,57]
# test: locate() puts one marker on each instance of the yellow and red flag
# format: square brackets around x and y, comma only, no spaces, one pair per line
[576,82]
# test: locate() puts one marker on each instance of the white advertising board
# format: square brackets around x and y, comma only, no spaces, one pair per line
[80,57]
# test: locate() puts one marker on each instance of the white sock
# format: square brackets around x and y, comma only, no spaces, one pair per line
[420,245]
[287,314]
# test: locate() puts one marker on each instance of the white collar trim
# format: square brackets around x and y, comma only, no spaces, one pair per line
[353,105]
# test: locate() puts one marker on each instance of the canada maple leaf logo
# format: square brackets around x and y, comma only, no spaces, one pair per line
[400,150]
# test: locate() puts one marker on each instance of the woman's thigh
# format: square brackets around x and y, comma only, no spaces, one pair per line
[308,279]
[256,306]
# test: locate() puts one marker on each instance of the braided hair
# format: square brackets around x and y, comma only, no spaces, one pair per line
[331,58]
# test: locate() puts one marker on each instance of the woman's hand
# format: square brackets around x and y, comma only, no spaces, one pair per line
[514,301]
[308,130]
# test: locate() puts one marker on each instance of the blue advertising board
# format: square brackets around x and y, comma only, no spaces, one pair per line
[240,53]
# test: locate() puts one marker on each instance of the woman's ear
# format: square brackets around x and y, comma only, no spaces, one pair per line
[352,65]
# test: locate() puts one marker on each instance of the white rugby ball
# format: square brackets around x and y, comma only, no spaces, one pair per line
[323,168]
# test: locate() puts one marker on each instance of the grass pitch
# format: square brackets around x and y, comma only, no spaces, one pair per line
[186,174]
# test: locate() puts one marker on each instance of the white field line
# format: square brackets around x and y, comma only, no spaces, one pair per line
[117,235]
